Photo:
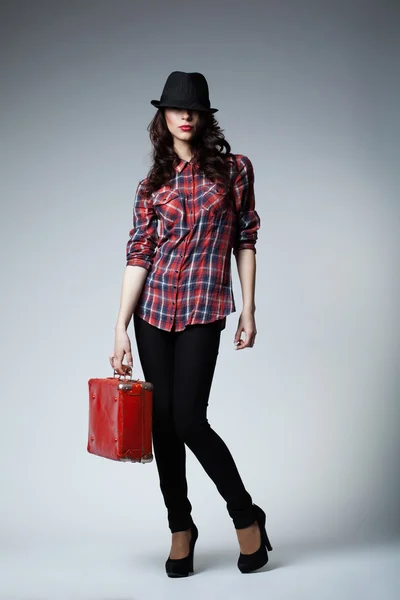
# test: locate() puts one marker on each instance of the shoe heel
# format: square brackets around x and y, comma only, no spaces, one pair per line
[262,519]
[266,541]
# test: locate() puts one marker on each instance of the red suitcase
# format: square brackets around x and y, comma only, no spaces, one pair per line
[120,418]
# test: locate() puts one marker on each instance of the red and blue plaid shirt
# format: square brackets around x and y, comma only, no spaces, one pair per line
[184,234]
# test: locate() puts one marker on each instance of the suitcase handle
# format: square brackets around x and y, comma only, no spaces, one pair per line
[127,371]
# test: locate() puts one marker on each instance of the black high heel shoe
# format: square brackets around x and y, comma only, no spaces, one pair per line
[181,567]
[251,562]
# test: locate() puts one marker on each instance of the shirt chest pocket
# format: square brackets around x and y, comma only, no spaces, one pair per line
[214,200]
[168,204]
[214,210]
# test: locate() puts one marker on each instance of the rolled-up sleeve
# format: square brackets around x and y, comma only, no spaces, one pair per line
[249,221]
[143,236]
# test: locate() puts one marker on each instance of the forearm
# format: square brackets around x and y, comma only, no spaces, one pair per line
[132,285]
[246,265]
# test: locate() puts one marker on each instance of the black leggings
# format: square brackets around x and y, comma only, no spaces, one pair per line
[181,367]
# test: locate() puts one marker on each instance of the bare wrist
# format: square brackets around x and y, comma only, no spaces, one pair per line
[249,308]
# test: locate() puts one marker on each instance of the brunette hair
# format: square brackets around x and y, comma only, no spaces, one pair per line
[207,145]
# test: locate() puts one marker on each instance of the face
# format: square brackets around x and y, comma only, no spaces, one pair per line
[178,117]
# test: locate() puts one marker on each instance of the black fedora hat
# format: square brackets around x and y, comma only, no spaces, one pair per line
[185,90]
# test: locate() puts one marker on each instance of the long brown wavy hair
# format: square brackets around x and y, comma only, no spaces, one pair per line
[208,145]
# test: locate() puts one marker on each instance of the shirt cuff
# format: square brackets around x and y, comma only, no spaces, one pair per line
[139,262]
[245,246]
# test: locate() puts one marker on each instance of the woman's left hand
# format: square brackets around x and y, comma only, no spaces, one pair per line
[247,324]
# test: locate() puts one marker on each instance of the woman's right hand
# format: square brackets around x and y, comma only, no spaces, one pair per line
[122,347]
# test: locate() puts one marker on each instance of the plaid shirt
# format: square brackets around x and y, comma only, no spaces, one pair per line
[184,234]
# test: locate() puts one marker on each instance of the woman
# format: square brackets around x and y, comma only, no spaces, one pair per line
[195,207]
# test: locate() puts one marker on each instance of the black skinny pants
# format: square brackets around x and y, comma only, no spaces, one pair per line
[181,367]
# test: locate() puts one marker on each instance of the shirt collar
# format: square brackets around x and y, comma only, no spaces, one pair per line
[182,164]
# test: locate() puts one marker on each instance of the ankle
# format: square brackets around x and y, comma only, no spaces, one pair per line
[248,529]
[181,536]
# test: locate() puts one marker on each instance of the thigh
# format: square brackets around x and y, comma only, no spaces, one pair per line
[196,352]
[155,348]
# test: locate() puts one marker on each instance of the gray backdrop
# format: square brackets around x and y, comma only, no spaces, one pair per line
[309,91]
